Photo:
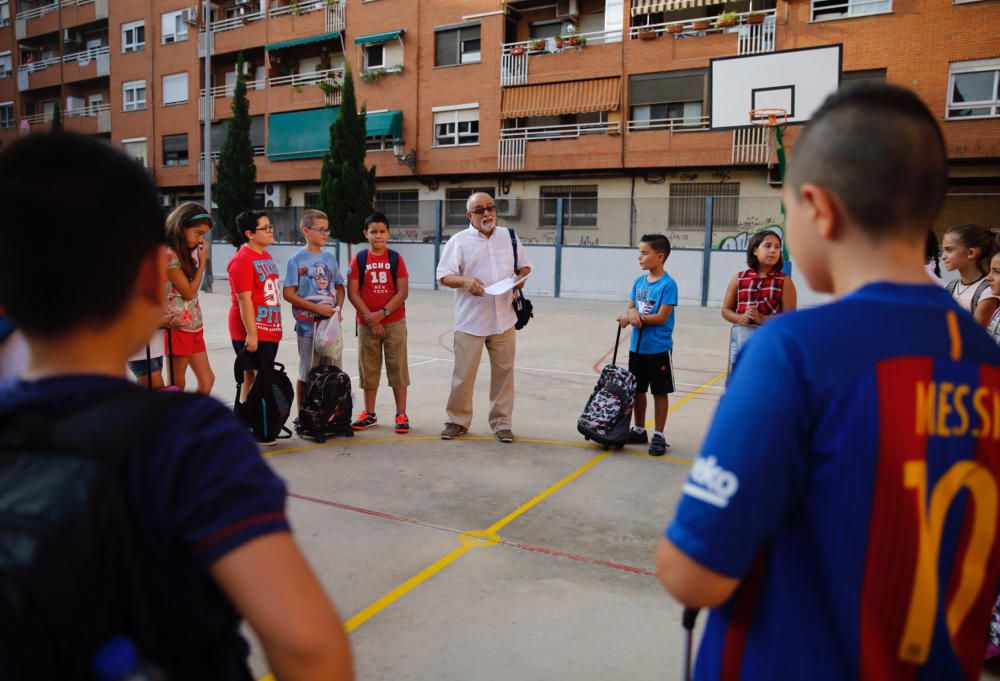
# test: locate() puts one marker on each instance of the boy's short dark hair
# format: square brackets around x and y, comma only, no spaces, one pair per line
[756,240]
[88,197]
[376,217]
[247,221]
[880,151]
[658,242]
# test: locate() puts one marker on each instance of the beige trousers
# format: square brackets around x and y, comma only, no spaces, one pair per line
[468,353]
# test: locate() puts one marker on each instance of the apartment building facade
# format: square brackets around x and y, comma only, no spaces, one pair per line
[603,104]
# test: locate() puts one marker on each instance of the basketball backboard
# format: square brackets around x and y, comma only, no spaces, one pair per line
[794,80]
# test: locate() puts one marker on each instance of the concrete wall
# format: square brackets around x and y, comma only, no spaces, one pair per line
[587,272]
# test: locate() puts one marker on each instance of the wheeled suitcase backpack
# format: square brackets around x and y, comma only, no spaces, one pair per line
[607,417]
[269,401]
[327,406]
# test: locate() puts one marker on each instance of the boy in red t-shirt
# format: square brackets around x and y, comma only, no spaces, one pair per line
[377,294]
[255,314]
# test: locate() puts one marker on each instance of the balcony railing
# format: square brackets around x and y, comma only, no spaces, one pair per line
[87,111]
[560,132]
[743,25]
[257,151]
[310,78]
[227,90]
[36,119]
[302,7]
[39,65]
[36,12]
[682,124]
[70,3]
[570,42]
[235,22]
[86,56]
[335,13]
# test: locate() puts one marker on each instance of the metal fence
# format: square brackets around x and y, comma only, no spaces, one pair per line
[724,221]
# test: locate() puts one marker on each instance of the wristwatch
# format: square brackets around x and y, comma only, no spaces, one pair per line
[385,311]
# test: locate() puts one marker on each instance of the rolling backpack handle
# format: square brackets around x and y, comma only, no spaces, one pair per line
[618,337]
[687,621]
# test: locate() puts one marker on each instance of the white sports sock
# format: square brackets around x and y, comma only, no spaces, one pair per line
[656,432]
[638,431]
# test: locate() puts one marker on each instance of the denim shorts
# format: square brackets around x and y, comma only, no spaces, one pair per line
[141,367]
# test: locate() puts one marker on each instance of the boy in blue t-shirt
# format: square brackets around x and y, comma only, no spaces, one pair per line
[650,313]
[842,519]
[315,288]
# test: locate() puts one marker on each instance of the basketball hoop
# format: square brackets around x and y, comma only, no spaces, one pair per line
[772,121]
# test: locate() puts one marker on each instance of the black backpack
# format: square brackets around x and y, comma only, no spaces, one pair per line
[327,405]
[70,577]
[363,263]
[269,401]
[980,290]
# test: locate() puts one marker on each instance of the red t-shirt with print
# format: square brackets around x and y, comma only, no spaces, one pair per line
[257,273]
[378,289]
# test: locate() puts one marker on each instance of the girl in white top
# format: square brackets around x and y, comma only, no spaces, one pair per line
[967,249]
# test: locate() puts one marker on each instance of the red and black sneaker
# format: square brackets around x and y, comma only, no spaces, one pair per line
[364,421]
[402,423]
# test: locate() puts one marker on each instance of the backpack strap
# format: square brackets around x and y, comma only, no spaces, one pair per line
[393,266]
[979,294]
[361,260]
[952,285]
[513,243]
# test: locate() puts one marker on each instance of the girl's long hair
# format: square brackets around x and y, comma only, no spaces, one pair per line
[185,216]
[976,236]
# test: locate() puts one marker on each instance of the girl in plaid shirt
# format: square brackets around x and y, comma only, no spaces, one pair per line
[763,290]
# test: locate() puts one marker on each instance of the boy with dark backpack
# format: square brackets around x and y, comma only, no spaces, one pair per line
[126,512]
[377,286]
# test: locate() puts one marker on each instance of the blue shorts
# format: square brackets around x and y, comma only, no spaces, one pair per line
[140,367]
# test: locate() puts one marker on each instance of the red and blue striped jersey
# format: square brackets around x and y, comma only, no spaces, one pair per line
[850,480]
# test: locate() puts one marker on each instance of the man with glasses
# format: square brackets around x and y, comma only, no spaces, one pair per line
[315,288]
[472,260]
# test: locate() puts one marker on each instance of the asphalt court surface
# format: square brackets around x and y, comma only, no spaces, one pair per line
[472,559]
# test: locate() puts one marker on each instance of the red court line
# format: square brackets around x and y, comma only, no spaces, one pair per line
[513,545]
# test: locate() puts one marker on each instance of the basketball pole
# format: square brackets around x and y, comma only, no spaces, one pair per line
[779,136]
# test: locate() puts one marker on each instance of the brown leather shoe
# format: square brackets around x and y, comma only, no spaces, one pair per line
[505,436]
[453,430]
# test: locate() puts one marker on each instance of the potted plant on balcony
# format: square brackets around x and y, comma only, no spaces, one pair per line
[537,45]
[726,19]
[756,18]
[559,41]
[646,33]
[675,28]
[575,41]
[701,24]
[517,50]
[329,87]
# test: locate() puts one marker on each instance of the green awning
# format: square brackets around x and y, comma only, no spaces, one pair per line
[302,41]
[379,37]
[384,123]
[306,134]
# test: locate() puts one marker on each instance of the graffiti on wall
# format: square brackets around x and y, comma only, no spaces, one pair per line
[746,229]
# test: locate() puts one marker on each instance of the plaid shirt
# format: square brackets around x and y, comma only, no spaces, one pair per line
[764,292]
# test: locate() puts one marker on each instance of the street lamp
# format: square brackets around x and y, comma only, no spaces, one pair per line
[409,160]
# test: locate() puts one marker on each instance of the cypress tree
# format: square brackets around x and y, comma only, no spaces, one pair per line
[347,187]
[236,173]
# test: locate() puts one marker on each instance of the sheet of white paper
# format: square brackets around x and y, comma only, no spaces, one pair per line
[504,285]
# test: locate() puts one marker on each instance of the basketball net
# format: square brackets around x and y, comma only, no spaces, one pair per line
[773,121]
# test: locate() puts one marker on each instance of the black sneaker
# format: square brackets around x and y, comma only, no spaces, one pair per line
[636,437]
[658,447]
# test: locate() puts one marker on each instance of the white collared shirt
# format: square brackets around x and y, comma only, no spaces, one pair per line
[470,254]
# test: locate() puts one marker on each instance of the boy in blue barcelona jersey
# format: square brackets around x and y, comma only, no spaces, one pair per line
[842,517]
[651,315]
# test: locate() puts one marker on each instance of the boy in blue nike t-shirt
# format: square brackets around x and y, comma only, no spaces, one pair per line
[842,518]
[651,315]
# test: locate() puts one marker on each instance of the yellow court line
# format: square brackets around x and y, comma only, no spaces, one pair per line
[700,388]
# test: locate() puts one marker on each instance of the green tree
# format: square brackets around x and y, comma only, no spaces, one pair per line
[236,174]
[347,187]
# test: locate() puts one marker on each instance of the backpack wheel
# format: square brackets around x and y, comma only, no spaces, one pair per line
[607,447]
[587,438]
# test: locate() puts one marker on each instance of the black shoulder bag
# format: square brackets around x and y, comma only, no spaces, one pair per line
[522,306]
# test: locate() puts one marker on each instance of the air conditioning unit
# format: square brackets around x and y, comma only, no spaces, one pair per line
[72,37]
[508,207]
[166,201]
[774,176]
[274,195]
[243,3]
[567,8]
[190,16]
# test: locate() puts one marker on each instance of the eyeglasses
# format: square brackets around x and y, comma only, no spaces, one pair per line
[482,209]
[319,229]
[265,228]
